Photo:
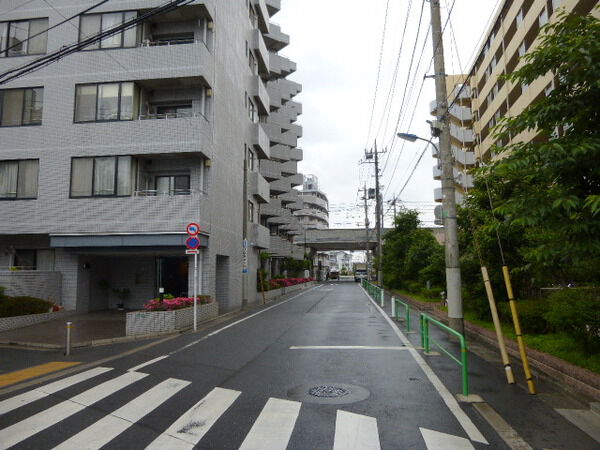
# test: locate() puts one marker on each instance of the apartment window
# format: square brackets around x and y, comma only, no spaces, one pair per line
[543,17]
[252,111]
[20,107]
[19,38]
[522,48]
[252,62]
[19,179]
[251,159]
[172,185]
[107,101]
[92,24]
[250,212]
[253,17]
[556,4]
[25,259]
[102,176]
[520,17]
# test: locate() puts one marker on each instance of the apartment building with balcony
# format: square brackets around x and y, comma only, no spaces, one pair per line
[281,169]
[314,214]
[107,155]
[484,97]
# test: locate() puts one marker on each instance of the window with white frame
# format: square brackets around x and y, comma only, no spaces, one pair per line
[252,111]
[102,176]
[522,48]
[93,24]
[520,17]
[23,37]
[19,107]
[106,102]
[19,179]
[172,185]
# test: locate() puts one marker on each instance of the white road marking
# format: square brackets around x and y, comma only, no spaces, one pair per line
[187,431]
[355,432]
[240,321]
[504,430]
[102,432]
[273,427]
[147,363]
[35,394]
[51,416]
[435,440]
[345,347]
[469,427]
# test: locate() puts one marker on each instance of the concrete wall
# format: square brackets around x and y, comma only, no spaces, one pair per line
[32,283]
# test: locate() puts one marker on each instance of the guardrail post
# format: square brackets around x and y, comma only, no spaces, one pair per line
[407,317]
[393,307]
[382,297]
[465,368]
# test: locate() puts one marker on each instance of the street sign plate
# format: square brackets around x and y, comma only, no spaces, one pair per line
[192,229]
[192,242]
[190,251]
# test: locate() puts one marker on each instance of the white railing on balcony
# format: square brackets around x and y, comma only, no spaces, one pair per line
[165,42]
[177,115]
[171,192]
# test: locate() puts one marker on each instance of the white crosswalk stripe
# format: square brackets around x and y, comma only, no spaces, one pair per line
[355,432]
[273,427]
[187,431]
[28,397]
[51,416]
[109,427]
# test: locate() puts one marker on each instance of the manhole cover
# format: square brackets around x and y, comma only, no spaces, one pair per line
[328,391]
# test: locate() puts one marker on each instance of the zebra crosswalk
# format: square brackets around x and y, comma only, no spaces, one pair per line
[272,429]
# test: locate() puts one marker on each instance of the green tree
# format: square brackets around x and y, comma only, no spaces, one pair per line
[554,179]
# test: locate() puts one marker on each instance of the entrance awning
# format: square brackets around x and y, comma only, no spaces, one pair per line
[105,241]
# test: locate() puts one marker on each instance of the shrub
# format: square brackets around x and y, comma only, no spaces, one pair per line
[432,293]
[171,304]
[22,306]
[414,286]
[531,315]
[2,289]
[577,312]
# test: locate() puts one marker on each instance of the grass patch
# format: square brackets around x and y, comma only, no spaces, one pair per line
[560,345]
[419,297]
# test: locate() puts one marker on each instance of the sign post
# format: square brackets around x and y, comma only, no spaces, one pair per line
[192,243]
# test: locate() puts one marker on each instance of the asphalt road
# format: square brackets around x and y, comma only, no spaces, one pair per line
[325,369]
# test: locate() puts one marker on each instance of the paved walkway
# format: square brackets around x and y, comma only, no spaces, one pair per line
[87,328]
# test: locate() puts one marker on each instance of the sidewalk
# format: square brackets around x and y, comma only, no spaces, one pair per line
[88,329]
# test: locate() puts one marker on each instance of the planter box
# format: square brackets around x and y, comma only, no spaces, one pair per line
[276,293]
[10,323]
[152,322]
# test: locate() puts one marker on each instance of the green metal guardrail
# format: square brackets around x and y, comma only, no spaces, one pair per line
[426,339]
[374,291]
[396,313]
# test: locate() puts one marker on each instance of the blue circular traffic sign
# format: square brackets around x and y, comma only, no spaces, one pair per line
[192,229]
[192,243]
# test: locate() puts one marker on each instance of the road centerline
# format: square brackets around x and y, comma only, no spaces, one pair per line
[346,347]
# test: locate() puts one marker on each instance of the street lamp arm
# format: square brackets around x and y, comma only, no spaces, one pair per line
[413,137]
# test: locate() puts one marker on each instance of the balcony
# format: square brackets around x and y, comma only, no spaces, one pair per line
[270,170]
[274,95]
[272,209]
[437,172]
[283,218]
[280,247]
[296,154]
[464,179]
[289,197]
[262,15]
[461,134]
[259,236]
[280,186]
[280,65]
[258,187]
[462,157]
[437,196]
[295,180]
[273,6]
[260,95]
[260,140]
[295,206]
[465,94]
[312,213]
[289,168]
[295,129]
[281,153]
[275,39]
[261,52]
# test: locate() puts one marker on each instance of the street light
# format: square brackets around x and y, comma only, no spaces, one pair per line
[413,137]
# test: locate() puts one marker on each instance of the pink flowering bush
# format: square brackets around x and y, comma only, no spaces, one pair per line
[277,283]
[170,304]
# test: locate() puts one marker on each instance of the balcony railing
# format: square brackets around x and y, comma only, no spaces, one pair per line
[171,192]
[173,115]
[165,42]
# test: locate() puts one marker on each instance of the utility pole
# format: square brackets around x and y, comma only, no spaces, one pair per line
[366,198]
[378,221]
[453,282]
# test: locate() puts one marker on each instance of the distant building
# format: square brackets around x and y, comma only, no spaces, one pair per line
[314,214]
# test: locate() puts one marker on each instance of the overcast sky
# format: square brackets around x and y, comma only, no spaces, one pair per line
[336,45]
